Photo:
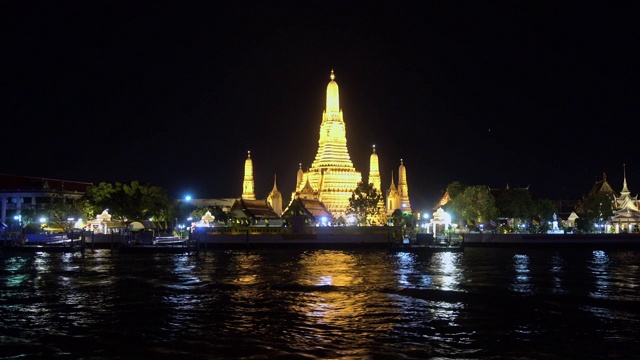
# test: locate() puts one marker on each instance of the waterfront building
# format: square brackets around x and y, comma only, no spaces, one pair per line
[254,212]
[599,187]
[302,212]
[626,216]
[224,204]
[29,198]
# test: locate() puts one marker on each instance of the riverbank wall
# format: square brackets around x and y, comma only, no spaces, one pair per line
[546,240]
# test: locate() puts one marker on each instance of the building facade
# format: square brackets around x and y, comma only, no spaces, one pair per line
[26,199]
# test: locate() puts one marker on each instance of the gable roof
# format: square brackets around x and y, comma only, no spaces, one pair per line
[254,209]
[310,208]
[315,208]
[602,186]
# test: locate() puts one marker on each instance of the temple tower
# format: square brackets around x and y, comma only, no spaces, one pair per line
[625,201]
[393,198]
[374,179]
[403,188]
[275,198]
[332,175]
[247,184]
[398,198]
[374,170]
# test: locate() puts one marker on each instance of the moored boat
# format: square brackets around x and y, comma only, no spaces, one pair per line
[158,249]
[439,244]
[66,247]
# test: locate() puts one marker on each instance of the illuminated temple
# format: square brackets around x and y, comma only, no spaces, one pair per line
[331,178]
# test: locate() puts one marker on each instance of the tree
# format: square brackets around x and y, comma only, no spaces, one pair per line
[596,207]
[62,208]
[99,197]
[544,209]
[133,201]
[455,188]
[397,218]
[475,203]
[363,204]
[515,203]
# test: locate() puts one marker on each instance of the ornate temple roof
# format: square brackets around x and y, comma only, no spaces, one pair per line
[253,209]
[626,202]
[602,186]
[312,207]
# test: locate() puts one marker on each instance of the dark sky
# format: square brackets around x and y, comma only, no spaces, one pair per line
[542,94]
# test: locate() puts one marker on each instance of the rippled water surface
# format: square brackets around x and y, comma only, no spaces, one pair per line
[485,303]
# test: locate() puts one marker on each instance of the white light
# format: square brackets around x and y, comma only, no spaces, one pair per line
[446,217]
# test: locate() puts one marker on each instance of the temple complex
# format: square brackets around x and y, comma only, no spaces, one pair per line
[332,178]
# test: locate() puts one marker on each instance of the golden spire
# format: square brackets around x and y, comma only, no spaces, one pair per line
[332,176]
[248,184]
[374,170]
[625,190]
[333,99]
[275,198]
[332,149]
[403,188]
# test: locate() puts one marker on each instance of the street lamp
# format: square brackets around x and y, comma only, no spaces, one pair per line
[18,218]
[181,227]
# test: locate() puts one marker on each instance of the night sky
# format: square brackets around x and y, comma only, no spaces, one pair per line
[542,94]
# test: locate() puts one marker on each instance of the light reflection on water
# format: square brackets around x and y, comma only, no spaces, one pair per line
[556,271]
[599,270]
[321,304]
[522,283]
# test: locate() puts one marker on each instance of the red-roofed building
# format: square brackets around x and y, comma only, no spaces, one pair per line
[31,196]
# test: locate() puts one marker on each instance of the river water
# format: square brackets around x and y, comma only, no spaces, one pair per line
[484,303]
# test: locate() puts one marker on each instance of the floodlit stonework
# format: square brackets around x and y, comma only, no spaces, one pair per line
[247,183]
[332,177]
